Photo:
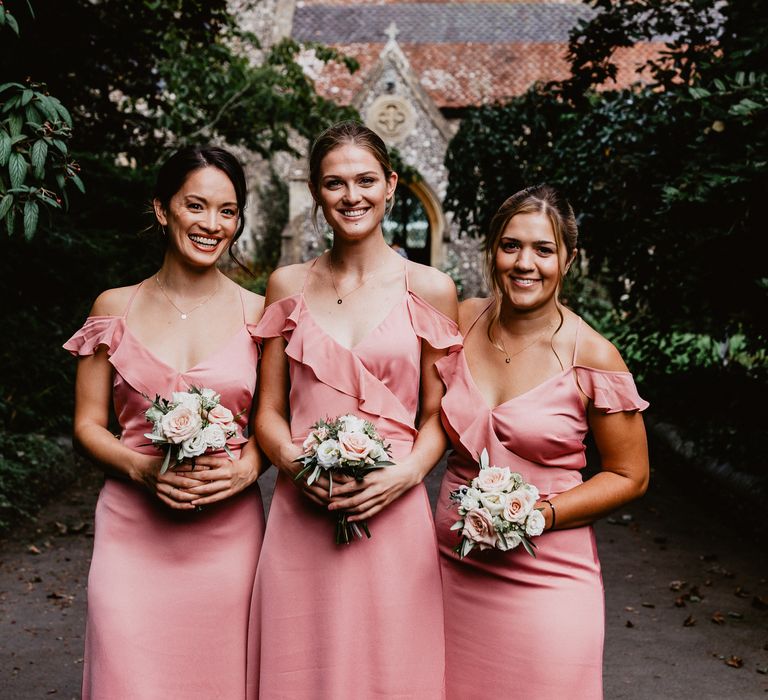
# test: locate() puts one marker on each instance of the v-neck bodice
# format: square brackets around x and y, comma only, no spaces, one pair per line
[140,375]
[379,376]
[539,433]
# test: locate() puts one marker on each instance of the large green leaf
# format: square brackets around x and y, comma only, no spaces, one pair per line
[10,220]
[5,148]
[38,155]
[15,123]
[5,205]
[17,169]
[31,214]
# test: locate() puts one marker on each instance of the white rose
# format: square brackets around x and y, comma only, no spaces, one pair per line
[378,453]
[532,491]
[219,414]
[180,424]
[209,398]
[214,436]
[534,526]
[354,446]
[518,506]
[193,447]
[470,499]
[512,541]
[493,502]
[494,479]
[352,424]
[328,454]
[309,444]
[184,398]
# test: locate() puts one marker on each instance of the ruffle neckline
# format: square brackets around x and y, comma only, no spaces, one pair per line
[338,366]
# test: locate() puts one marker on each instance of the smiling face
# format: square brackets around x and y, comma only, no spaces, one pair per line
[352,191]
[527,265]
[202,217]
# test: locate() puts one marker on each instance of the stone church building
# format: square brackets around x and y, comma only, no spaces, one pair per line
[422,64]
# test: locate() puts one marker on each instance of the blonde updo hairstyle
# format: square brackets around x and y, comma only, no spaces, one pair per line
[539,199]
[345,133]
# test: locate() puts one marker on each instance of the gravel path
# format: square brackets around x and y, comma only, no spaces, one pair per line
[686,597]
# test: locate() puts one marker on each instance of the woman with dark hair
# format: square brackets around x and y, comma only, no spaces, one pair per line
[531,380]
[175,553]
[355,331]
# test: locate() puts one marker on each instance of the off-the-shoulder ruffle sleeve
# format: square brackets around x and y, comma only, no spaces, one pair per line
[96,331]
[279,319]
[430,324]
[611,392]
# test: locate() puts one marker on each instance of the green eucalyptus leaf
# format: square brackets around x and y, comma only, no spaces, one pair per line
[31,214]
[12,23]
[78,183]
[26,97]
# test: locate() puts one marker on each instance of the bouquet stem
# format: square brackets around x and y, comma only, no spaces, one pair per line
[346,531]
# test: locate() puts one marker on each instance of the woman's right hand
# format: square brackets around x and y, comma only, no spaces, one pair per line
[168,487]
[318,491]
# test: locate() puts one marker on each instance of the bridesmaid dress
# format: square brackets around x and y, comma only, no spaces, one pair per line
[515,626]
[363,620]
[169,591]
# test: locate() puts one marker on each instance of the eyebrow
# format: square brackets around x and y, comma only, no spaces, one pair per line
[338,177]
[192,195]
[543,242]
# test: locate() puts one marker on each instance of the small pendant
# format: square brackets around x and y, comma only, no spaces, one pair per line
[183,317]
[507,360]
[338,301]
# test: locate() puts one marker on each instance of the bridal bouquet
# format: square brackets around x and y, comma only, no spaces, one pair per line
[190,423]
[497,510]
[345,445]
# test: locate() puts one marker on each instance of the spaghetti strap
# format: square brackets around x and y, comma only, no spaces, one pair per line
[242,305]
[407,280]
[477,318]
[130,301]
[576,341]
[306,277]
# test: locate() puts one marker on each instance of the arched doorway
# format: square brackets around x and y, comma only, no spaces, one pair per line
[408,225]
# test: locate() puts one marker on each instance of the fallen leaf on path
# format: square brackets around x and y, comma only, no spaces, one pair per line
[735,615]
[762,669]
[648,605]
[677,585]
[680,601]
[33,549]
[629,623]
[760,602]
[689,621]
[740,592]
[61,527]
[734,662]
[716,569]
[718,618]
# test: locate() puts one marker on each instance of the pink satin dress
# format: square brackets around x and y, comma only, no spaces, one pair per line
[362,620]
[515,626]
[169,591]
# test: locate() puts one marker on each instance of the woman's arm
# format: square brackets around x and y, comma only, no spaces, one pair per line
[620,440]
[272,427]
[380,488]
[91,437]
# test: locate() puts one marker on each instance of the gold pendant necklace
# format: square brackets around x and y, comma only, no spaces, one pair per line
[507,356]
[183,313]
[340,297]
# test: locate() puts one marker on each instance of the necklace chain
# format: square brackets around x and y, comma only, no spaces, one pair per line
[183,313]
[507,356]
[340,297]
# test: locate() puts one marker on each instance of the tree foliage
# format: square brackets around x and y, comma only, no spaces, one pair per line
[667,177]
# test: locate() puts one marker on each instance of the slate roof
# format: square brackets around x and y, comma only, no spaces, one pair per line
[464,53]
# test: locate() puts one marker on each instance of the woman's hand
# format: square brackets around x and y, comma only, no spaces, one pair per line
[171,488]
[211,479]
[318,491]
[363,499]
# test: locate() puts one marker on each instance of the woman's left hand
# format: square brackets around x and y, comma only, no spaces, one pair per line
[222,478]
[363,499]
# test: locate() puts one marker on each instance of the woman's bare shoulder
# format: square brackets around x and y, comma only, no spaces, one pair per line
[286,281]
[470,309]
[113,302]
[597,352]
[435,287]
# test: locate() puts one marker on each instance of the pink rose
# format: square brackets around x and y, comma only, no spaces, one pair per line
[518,505]
[354,446]
[220,414]
[494,479]
[180,424]
[478,527]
